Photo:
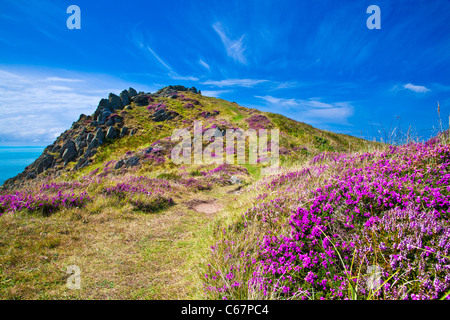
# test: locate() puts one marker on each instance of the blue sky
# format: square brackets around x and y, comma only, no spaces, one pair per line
[314,61]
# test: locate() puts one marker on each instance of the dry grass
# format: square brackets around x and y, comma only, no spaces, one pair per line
[122,254]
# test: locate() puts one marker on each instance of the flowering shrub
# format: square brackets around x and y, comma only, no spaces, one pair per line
[148,195]
[156,107]
[188,106]
[258,121]
[41,203]
[323,229]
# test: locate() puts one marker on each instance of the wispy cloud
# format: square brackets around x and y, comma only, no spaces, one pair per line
[214,93]
[235,48]
[286,85]
[419,89]
[58,79]
[248,83]
[204,64]
[159,59]
[310,111]
[175,76]
[35,110]
[281,102]
[137,38]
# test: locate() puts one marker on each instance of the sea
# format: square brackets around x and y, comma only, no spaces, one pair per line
[13,160]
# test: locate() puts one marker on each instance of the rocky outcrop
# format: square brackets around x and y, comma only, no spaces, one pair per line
[142,100]
[112,133]
[115,101]
[44,162]
[132,92]
[80,143]
[69,151]
[130,162]
[164,115]
[171,91]
[125,97]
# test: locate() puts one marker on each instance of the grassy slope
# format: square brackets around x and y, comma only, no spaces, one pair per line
[125,253]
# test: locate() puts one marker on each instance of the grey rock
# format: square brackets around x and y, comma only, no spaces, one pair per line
[103,117]
[45,162]
[128,108]
[89,137]
[31,176]
[235,180]
[141,100]
[119,164]
[49,148]
[125,97]
[124,131]
[104,104]
[82,162]
[100,136]
[69,151]
[163,115]
[110,122]
[115,101]
[80,141]
[56,148]
[132,92]
[112,133]
[132,162]
[69,144]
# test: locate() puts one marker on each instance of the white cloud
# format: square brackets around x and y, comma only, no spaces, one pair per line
[286,85]
[58,79]
[175,76]
[204,64]
[159,59]
[310,111]
[214,93]
[419,89]
[248,83]
[235,48]
[35,110]
[279,101]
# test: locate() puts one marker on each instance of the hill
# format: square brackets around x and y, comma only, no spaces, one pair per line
[133,130]
[107,198]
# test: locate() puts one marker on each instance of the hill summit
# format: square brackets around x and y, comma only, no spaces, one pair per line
[133,130]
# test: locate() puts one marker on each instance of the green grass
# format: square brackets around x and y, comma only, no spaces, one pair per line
[125,253]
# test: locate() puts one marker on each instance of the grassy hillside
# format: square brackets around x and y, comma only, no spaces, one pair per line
[366,225]
[140,227]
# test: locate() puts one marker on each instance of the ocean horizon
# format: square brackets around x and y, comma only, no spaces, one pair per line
[14,159]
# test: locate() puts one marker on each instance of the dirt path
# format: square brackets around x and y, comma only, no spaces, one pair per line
[208,207]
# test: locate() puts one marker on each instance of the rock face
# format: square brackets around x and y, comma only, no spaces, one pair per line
[112,133]
[164,115]
[44,162]
[109,122]
[169,91]
[69,151]
[130,162]
[99,136]
[141,100]
[125,97]
[132,92]
[123,132]
[115,101]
